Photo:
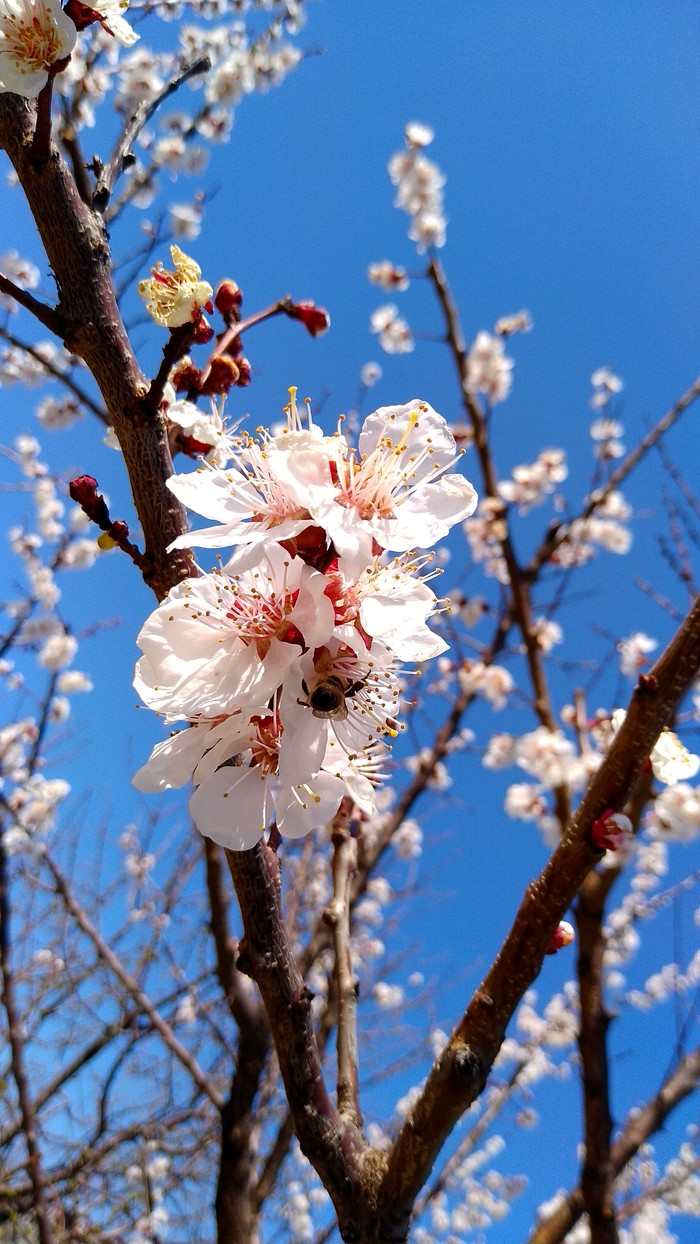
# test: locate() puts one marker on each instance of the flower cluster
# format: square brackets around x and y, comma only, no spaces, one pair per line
[419,185]
[283,662]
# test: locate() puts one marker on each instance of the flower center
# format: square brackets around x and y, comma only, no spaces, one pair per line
[36,45]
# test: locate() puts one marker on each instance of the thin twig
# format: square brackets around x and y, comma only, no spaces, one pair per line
[14,1025]
[109,174]
[596,499]
[132,986]
[47,316]
[518,581]
[64,379]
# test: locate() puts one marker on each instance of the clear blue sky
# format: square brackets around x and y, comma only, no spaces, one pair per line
[569,137]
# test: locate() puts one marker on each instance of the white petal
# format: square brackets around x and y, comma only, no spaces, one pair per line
[171,762]
[231,807]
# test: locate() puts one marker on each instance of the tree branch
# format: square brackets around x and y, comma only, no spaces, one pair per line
[45,315]
[460,1072]
[132,986]
[78,252]
[333,1144]
[597,1174]
[108,175]
[14,1025]
[337,917]
[640,1125]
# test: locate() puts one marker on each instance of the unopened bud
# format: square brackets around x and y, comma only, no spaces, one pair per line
[83,489]
[185,376]
[228,298]
[562,936]
[315,319]
[223,374]
[82,15]
[611,830]
[202,330]
[106,542]
[245,372]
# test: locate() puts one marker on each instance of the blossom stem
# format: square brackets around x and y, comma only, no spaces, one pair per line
[236,330]
[41,143]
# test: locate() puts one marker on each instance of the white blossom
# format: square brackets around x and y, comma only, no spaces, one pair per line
[394,333]
[489,368]
[633,653]
[58,651]
[34,35]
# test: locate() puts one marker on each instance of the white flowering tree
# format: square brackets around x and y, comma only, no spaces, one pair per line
[182,1065]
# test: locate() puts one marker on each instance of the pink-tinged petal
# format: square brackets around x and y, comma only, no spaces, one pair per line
[171,762]
[231,807]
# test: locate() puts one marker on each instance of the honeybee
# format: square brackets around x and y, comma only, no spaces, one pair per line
[327,696]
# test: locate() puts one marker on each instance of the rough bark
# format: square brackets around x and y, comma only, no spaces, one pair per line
[91,326]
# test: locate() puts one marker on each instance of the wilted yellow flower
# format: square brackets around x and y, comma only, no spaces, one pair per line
[174,298]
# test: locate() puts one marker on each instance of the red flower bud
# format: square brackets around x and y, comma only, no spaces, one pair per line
[202,331]
[81,14]
[83,489]
[245,372]
[228,298]
[647,684]
[563,935]
[186,376]
[611,830]
[315,319]
[223,373]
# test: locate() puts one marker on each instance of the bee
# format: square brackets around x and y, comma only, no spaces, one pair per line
[328,695]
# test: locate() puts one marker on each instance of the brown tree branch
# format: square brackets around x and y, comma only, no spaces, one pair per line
[348,1168]
[142,115]
[461,1070]
[597,1174]
[236,1211]
[91,326]
[640,1125]
[17,1060]
[45,315]
[55,372]
[337,917]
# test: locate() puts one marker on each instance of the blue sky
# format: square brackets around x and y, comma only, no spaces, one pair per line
[569,137]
